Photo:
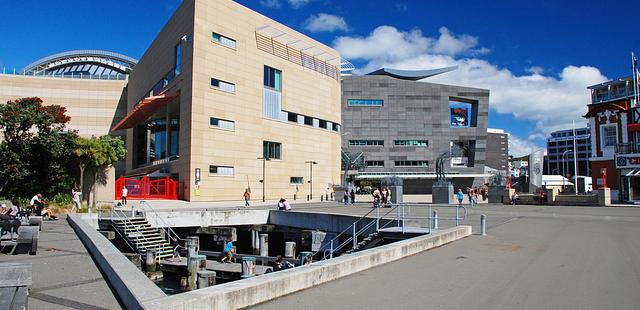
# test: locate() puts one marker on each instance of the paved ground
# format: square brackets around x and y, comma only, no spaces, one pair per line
[64,275]
[533,258]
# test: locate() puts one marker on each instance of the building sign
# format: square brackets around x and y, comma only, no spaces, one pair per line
[460,114]
[628,161]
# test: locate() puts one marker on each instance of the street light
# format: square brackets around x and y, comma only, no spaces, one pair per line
[264,161]
[311,163]
[564,171]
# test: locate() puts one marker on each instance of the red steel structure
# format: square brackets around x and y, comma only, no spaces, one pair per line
[145,188]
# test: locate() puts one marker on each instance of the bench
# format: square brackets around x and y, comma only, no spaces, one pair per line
[15,280]
[26,242]
[36,220]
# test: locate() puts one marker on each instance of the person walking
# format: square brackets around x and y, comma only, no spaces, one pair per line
[75,196]
[345,197]
[384,195]
[460,197]
[353,196]
[247,197]
[125,192]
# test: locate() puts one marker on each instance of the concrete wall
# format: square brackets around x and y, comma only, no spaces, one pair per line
[240,294]
[93,105]
[205,218]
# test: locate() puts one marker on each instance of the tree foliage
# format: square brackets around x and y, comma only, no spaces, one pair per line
[36,154]
[97,154]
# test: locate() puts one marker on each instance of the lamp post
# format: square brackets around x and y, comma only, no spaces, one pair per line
[563,170]
[264,162]
[311,163]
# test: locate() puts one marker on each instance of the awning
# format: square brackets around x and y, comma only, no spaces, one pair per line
[633,173]
[145,108]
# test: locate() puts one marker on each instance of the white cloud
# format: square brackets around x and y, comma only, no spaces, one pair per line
[274,4]
[520,147]
[551,102]
[296,4]
[325,22]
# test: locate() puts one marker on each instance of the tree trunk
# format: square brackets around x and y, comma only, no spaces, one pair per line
[82,181]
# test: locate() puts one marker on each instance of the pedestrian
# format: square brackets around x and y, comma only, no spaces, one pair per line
[384,194]
[460,196]
[287,206]
[75,196]
[353,196]
[376,198]
[345,197]
[37,204]
[388,197]
[247,197]
[474,198]
[125,192]
[281,204]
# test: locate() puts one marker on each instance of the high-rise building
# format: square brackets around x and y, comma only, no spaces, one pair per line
[497,154]
[560,152]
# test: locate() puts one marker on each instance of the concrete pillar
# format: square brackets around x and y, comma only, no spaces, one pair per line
[193,246]
[551,195]
[604,196]
[150,261]
[255,242]
[264,245]
[195,263]
[290,249]
[248,266]
[396,194]
[206,278]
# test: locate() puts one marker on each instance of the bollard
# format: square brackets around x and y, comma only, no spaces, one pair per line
[195,263]
[206,278]
[483,224]
[294,196]
[321,198]
[306,258]
[248,266]
[435,219]
[150,261]
[290,249]
[133,211]
[255,242]
[264,245]
[307,197]
[457,216]
[193,246]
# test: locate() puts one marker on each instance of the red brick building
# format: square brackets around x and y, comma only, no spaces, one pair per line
[614,120]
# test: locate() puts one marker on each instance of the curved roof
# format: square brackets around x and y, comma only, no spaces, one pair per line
[412,75]
[88,62]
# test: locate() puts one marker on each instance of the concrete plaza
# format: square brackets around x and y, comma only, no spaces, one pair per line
[534,257]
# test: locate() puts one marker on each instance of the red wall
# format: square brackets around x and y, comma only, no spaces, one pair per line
[613,177]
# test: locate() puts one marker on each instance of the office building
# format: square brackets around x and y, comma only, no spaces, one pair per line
[560,152]
[497,154]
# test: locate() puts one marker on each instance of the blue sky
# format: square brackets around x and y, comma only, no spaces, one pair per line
[536,57]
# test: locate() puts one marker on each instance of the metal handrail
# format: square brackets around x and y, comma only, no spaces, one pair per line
[344,231]
[127,224]
[168,231]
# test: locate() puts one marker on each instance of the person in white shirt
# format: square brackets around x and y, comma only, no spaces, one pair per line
[75,193]
[125,192]
[37,204]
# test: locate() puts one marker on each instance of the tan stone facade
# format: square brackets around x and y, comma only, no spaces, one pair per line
[303,91]
[93,105]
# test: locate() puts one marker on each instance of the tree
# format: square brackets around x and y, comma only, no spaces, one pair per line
[98,154]
[36,151]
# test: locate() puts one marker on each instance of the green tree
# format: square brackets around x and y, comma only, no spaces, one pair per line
[97,154]
[36,151]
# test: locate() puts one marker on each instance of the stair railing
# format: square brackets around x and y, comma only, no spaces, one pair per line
[129,224]
[166,230]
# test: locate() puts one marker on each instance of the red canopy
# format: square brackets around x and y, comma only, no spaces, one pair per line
[145,108]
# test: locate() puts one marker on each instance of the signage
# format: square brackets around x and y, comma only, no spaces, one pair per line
[628,161]
[197,176]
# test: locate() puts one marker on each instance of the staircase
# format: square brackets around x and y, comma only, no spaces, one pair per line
[368,242]
[140,236]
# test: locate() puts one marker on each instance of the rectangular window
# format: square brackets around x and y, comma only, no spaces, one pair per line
[296,180]
[222,123]
[271,150]
[374,163]
[462,114]
[609,135]
[365,102]
[367,142]
[221,170]
[411,163]
[273,78]
[177,61]
[420,143]
[323,124]
[336,127]
[222,85]
[308,120]
[226,41]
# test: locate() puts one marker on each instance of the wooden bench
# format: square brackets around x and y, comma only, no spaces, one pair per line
[15,280]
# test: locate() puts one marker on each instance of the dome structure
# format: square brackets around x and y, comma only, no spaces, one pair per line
[82,62]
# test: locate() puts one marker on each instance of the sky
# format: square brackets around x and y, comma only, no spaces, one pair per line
[535,57]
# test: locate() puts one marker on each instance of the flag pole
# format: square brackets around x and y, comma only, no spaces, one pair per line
[575,159]
[634,65]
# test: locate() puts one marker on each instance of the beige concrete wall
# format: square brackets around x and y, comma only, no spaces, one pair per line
[93,105]
[303,91]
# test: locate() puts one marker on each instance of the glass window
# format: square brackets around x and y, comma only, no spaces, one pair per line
[221,170]
[365,102]
[367,142]
[177,66]
[609,135]
[222,85]
[308,120]
[271,150]
[336,127]
[272,78]
[462,114]
[226,41]
[221,123]
[420,143]
[374,163]
[411,163]
[296,180]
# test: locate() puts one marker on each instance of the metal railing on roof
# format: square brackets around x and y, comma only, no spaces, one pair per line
[80,76]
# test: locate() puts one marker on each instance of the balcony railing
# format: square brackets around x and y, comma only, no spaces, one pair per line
[613,95]
[628,148]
